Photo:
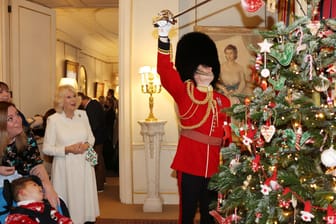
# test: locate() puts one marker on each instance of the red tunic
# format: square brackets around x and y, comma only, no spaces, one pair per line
[193,157]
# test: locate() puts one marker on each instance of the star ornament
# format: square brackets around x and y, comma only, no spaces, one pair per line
[265,46]
[265,189]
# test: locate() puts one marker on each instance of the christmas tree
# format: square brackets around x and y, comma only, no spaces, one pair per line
[281,170]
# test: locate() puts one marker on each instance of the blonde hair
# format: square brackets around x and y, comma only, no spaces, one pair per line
[59,97]
[20,140]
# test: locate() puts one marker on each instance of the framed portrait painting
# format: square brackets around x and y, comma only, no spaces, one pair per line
[71,69]
[82,80]
[98,89]
[239,40]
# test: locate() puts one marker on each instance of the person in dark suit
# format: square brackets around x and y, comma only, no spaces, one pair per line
[111,146]
[96,116]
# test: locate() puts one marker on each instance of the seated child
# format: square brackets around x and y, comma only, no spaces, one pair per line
[32,208]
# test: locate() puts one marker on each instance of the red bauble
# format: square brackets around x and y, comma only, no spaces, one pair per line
[247,101]
[252,5]
[263,84]
[260,143]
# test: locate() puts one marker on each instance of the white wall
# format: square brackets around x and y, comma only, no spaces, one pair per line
[144,52]
[97,69]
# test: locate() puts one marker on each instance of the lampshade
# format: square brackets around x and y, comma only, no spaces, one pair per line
[150,83]
[68,81]
[149,74]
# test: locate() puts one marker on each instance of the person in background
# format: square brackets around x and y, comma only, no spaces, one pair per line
[6,96]
[112,101]
[20,155]
[32,208]
[68,138]
[96,116]
[102,101]
[111,148]
[203,124]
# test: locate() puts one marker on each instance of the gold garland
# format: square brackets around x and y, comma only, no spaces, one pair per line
[190,89]
[208,99]
[192,114]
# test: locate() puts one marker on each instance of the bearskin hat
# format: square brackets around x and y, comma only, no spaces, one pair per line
[193,49]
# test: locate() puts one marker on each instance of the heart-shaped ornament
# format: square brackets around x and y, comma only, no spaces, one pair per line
[267,131]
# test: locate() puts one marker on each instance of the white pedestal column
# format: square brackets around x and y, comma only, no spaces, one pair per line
[152,132]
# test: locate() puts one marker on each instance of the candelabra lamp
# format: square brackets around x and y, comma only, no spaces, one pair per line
[150,84]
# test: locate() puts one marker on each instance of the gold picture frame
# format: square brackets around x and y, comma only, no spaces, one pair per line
[99,89]
[71,69]
[240,37]
[82,80]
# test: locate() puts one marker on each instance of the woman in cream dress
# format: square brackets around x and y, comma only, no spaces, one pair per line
[67,138]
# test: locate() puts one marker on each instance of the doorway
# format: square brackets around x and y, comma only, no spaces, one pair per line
[89,36]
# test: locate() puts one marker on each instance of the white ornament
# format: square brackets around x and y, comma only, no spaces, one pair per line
[265,73]
[314,26]
[294,201]
[265,190]
[234,165]
[328,157]
[267,131]
[265,46]
[323,85]
[306,216]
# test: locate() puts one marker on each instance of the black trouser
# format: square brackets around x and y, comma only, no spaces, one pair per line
[193,192]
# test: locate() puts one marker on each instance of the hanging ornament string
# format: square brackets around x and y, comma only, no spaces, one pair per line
[265,47]
[268,129]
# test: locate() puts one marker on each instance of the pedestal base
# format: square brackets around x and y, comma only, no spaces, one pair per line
[152,205]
